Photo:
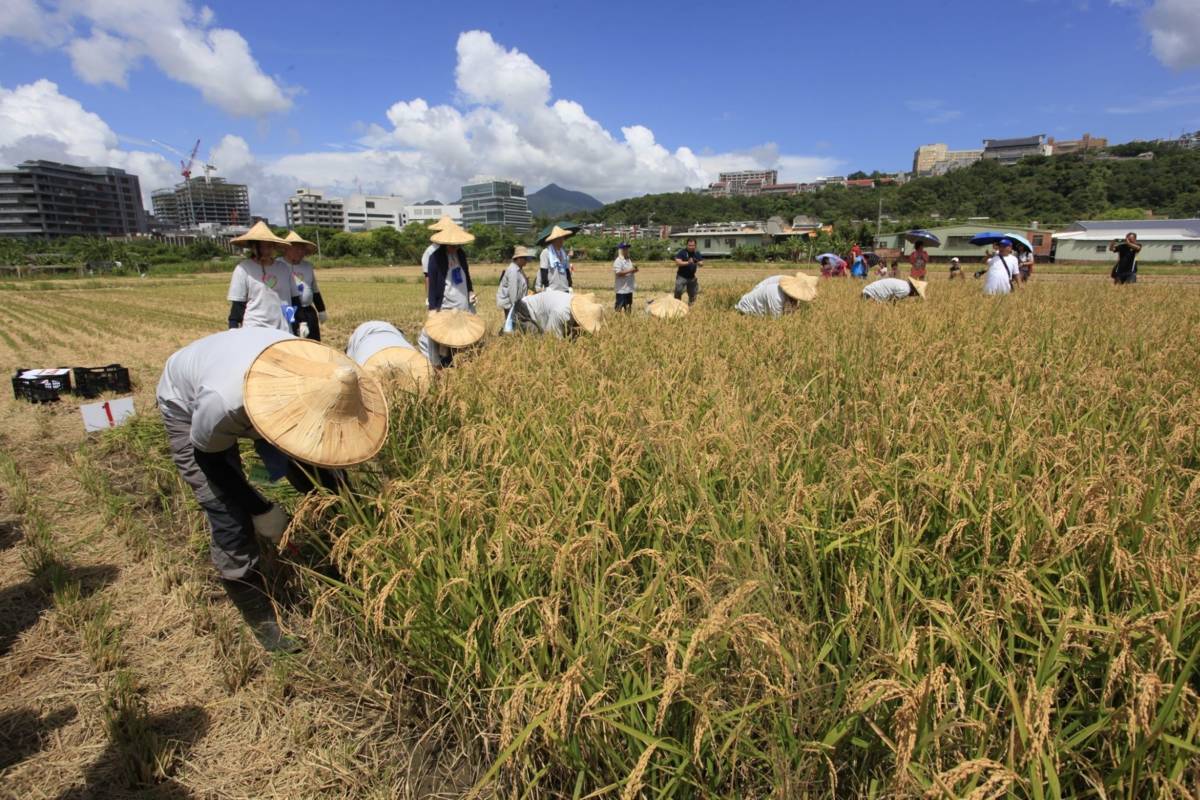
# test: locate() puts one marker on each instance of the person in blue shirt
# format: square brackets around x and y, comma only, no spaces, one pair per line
[687,261]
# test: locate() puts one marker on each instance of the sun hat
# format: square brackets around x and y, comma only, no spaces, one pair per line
[623,246]
[452,234]
[454,328]
[315,404]
[667,307]
[294,238]
[1005,243]
[919,286]
[587,313]
[799,287]
[954,260]
[524,252]
[259,233]
[443,222]
[558,233]
[404,367]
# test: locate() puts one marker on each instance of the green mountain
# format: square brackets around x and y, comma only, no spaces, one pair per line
[555,201]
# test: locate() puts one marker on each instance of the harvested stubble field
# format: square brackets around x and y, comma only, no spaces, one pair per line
[940,549]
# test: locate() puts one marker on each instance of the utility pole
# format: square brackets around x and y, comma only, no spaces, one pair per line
[879,220]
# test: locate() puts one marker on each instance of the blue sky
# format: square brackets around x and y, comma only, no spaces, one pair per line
[661,94]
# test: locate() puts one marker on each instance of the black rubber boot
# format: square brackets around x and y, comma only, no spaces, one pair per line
[258,612]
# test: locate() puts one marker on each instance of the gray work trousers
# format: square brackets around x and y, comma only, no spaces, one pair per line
[690,285]
[234,548]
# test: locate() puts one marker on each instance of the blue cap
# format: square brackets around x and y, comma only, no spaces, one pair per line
[623,246]
[1005,243]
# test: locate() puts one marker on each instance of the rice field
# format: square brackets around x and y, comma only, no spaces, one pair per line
[940,549]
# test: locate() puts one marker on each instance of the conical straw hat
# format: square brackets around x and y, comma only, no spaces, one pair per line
[667,307]
[315,404]
[919,286]
[259,233]
[587,313]
[452,234]
[295,238]
[524,252]
[799,287]
[454,328]
[558,233]
[442,223]
[401,366]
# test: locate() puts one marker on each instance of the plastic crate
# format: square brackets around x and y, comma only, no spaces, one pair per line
[95,381]
[40,388]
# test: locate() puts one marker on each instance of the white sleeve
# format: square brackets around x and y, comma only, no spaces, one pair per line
[239,289]
[617,265]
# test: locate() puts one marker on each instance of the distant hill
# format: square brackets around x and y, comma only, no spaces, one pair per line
[553,201]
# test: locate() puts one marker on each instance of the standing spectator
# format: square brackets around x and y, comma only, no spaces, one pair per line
[1125,270]
[554,266]
[859,268]
[310,311]
[1025,265]
[513,285]
[434,228]
[449,280]
[260,290]
[1003,270]
[956,269]
[624,270]
[919,259]
[687,261]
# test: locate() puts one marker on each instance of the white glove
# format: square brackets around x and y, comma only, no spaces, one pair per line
[303,330]
[322,316]
[471,298]
[272,524]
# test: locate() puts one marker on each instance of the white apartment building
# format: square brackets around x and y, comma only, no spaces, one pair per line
[431,211]
[307,207]
[366,212]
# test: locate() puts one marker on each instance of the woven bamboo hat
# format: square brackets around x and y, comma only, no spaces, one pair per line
[587,313]
[294,238]
[452,234]
[919,286]
[454,328]
[259,233]
[443,223]
[400,366]
[558,233]
[667,307]
[524,252]
[315,404]
[799,287]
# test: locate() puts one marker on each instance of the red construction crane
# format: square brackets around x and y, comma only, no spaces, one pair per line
[185,166]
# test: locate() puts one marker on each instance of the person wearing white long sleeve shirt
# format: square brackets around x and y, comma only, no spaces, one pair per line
[1003,270]
[778,295]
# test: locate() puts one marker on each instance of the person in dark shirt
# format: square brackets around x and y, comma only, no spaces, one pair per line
[1125,270]
[687,261]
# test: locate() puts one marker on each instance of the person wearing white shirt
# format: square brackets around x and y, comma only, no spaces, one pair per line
[778,295]
[624,270]
[892,289]
[310,308]
[557,314]
[1003,270]
[260,289]
[371,337]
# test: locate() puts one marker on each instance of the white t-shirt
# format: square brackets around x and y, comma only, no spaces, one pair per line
[550,311]
[555,278]
[455,295]
[623,285]
[304,281]
[764,300]
[265,291]
[886,289]
[371,337]
[1000,273]
[425,258]
[202,385]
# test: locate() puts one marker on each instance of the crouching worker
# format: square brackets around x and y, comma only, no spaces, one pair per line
[778,295]
[558,313]
[891,289]
[301,399]
[381,349]
[446,333]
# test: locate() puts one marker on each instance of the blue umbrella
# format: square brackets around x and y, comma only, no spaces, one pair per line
[991,237]
[834,257]
[922,236]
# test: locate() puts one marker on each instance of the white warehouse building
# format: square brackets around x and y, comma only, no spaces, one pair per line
[1162,240]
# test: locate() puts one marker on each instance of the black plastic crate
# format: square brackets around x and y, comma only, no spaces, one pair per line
[40,389]
[95,381]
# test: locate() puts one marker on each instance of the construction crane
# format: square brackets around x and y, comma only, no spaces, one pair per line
[186,166]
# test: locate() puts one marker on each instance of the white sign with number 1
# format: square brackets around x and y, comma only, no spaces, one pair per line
[109,414]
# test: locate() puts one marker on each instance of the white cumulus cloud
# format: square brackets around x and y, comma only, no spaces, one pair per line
[176,36]
[1174,27]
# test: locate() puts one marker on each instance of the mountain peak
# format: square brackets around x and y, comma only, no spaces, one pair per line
[553,200]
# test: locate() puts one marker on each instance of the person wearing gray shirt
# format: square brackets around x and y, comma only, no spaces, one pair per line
[513,284]
[624,270]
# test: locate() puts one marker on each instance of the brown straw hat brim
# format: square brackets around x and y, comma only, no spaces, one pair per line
[920,286]
[294,239]
[452,235]
[258,233]
[587,313]
[454,328]
[315,404]
[801,287]
[667,307]
[402,367]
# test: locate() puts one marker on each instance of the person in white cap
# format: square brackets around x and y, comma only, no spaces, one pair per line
[297,399]
[310,308]
[260,289]
[624,272]
[554,264]
[891,289]
[956,269]
[1003,270]
[449,285]
[558,314]
[778,295]
[513,284]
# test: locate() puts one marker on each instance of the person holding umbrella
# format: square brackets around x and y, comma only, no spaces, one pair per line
[1003,270]
[305,402]
[831,264]
[778,295]
[687,261]
[260,289]
[449,280]
[623,270]
[513,285]
[554,264]
[310,308]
